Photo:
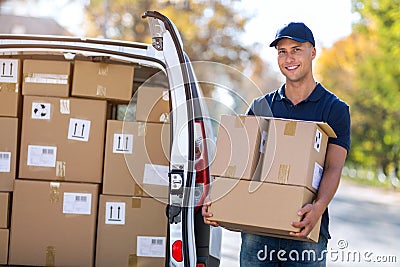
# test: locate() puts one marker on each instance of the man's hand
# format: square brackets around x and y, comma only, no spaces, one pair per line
[310,216]
[206,214]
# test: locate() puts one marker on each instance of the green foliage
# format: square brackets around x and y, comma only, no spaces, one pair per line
[364,69]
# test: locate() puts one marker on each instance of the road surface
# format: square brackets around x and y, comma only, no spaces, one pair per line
[365,229]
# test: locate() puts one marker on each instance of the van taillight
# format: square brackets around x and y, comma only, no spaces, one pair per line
[177,251]
[201,165]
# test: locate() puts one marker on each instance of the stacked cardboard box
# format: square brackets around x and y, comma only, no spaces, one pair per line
[10,112]
[59,160]
[53,223]
[132,223]
[275,167]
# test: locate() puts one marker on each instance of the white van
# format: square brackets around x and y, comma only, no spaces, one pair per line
[189,241]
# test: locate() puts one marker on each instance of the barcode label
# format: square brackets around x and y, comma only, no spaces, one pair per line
[151,246]
[42,156]
[81,198]
[77,203]
[5,161]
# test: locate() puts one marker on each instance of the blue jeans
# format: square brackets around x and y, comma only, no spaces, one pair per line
[257,251]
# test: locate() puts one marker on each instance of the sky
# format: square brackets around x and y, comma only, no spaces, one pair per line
[330,20]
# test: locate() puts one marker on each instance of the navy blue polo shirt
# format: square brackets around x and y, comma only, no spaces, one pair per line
[321,105]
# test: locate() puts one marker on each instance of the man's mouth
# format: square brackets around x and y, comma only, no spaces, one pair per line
[292,67]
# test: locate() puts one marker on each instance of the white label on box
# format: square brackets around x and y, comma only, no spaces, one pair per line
[77,203]
[8,70]
[150,246]
[64,106]
[79,130]
[42,156]
[123,143]
[47,78]
[41,111]
[318,140]
[263,141]
[5,161]
[115,212]
[318,170]
[155,174]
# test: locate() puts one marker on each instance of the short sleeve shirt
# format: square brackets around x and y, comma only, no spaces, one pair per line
[321,105]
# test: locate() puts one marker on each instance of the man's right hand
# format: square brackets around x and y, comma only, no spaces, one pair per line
[206,214]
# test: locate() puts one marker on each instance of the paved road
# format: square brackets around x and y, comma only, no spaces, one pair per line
[365,229]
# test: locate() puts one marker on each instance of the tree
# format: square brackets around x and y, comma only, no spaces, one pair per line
[210,31]
[364,69]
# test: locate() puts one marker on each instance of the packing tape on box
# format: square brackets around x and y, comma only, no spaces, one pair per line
[46,78]
[132,261]
[141,129]
[50,256]
[136,203]
[290,128]
[9,87]
[230,171]
[65,106]
[138,191]
[103,69]
[54,192]
[283,173]
[60,169]
[101,90]
[240,121]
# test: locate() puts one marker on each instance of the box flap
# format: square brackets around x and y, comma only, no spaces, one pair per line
[323,125]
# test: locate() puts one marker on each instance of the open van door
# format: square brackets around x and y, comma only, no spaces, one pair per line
[190,243]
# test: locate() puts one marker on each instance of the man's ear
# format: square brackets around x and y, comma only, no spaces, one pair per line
[313,52]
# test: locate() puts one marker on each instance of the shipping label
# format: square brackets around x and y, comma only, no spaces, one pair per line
[42,156]
[151,246]
[123,143]
[79,130]
[318,170]
[9,70]
[5,161]
[77,203]
[41,111]
[156,174]
[115,213]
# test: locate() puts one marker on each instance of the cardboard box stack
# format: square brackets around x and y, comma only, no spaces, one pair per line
[132,225]
[71,177]
[274,169]
[10,112]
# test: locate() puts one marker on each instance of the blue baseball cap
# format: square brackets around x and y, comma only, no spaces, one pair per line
[296,31]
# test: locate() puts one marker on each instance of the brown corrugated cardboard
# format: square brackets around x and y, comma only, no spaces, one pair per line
[131,232]
[4,209]
[102,80]
[295,152]
[4,237]
[9,138]
[239,146]
[10,83]
[136,159]
[53,223]
[257,207]
[152,104]
[62,139]
[46,78]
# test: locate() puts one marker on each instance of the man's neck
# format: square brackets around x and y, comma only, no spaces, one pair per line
[299,91]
